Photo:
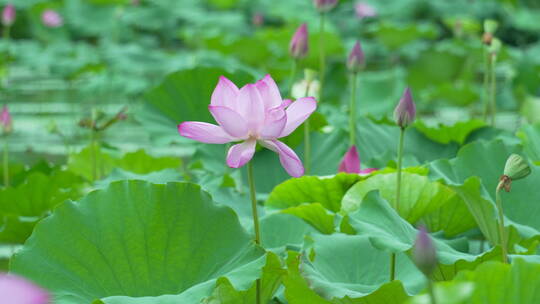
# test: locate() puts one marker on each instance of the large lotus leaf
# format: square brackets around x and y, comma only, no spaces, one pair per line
[346,269]
[283,230]
[157,177]
[15,230]
[395,36]
[493,283]
[445,134]
[40,193]
[82,163]
[327,191]
[389,232]
[139,240]
[530,138]
[378,91]
[432,203]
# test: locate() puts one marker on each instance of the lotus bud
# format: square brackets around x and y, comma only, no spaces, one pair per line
[8,15]
[356,59]
[324,6]
[424,252]
[298,48]
[52,19]
[405,111]
[5,121]
[350,162]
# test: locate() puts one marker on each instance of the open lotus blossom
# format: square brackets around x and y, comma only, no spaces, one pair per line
[8,15]
[51,18]
[16,290]
[254,113]
[351,163]
[364,10]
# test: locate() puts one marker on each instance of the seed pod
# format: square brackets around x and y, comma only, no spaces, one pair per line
[516,167]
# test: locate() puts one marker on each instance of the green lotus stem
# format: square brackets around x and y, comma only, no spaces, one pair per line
[293,75]
[6,32]
[431,291]
[6,162]
[352,111]
[253,196]
[322,59]
[93,143]
[493,89]
[307,139]
[398,195]
[486,85]
[502,235]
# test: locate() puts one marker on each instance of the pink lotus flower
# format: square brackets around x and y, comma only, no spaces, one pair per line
[8,15]
[253,114]
[298,47]
[257,19]
[16,290]
[51,18]
[5,120]
[405,111]
[351,163]
[364,10]
[424,252]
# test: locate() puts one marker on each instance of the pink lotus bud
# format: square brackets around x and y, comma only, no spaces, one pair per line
[356,59]
[325,5]
[351,163]
[8,15]
[364,10]
[405,111]
[16,290]
[5,120]
[257,19]
[51,18]
[298,48]
[424,253]
[135,2]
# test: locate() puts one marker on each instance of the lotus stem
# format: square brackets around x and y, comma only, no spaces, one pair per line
[322,55]
[6,162]
[253,195]
[486,84]
[307,139]
[431,291]
[502,235]
[293,75]
[398,195]
[493,88]
[352,111]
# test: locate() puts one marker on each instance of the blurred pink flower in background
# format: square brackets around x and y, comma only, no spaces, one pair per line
[364,10]
[324,5]
[135,2]
[51,18]
[256,113]
[5,120]
[17,290]
[257,19]
[351,163]
[8,15]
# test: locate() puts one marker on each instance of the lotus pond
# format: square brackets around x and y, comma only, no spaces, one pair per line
[270,151]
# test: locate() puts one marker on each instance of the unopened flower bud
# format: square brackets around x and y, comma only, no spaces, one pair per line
[405,111]
[324,5]
[356,58]
[8,15]
[257,19]
[5,121]
[298,47]
[424,252]
[364,10]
